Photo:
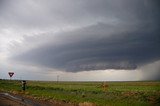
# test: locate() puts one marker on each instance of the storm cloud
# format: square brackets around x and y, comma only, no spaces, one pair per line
[94,49]
[86,35]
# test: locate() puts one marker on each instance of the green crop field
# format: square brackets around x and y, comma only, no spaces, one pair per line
[116,94]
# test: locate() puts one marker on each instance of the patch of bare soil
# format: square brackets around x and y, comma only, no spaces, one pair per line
[4,101]
[10,100]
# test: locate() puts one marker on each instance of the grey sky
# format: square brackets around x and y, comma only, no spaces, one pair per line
[78,36]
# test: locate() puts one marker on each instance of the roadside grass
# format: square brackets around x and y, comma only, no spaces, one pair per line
[117,94]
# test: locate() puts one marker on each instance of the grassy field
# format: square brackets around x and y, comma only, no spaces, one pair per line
[116,94]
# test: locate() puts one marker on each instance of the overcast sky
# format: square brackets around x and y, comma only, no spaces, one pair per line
[80,40]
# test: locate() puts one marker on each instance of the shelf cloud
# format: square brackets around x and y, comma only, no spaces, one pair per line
[122,49]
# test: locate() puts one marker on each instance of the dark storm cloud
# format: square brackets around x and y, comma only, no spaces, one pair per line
[133,41]
[45,14]
[122,50]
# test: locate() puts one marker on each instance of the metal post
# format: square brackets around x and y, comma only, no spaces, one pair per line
[23,85]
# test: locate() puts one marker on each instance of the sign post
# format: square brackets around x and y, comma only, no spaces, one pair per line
[23,85]
[11,74]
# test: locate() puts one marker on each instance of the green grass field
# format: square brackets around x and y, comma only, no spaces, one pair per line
[116,94]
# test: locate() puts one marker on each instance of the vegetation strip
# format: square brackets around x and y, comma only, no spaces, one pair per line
[115,93]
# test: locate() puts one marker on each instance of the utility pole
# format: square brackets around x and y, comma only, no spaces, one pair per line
[57,78]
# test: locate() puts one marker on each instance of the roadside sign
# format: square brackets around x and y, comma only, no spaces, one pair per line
[11,74]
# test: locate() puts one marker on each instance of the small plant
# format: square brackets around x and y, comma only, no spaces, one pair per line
[104,86]
[83,94]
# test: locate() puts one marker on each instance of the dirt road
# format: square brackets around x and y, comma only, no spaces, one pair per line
[7,99]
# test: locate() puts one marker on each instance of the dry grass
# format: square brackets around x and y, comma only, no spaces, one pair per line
[86,104]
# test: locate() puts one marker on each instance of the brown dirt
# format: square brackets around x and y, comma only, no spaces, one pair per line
[4,101]
[8,101]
